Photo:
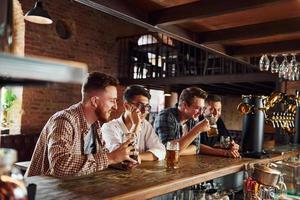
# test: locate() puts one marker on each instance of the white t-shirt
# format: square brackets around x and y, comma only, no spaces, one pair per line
[147,139]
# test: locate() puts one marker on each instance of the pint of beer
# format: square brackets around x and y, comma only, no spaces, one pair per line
[172,156]
[213,131]
[213,126]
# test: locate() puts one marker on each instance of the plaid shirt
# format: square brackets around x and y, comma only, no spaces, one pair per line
[60,148]
[168,127]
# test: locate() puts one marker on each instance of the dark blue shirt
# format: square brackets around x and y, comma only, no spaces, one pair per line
[167,126]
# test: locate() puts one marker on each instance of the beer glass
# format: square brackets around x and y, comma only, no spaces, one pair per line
[213,126]
[225,142]
[172,156]
[134,153]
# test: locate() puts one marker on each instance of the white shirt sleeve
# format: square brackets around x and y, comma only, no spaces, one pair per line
[153,143]
[111,135]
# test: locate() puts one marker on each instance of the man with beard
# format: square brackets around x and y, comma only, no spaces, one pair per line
[136,103]
[213,106]
[71,142]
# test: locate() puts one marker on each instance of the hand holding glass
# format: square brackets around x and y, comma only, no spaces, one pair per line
[213,126]
[134,153]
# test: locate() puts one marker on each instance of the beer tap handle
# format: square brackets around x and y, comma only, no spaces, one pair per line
[273,124]
[290,121]
[277,124]
[276,117]
[285,120]
[279,120]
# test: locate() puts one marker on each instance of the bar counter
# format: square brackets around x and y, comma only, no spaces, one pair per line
[149,180]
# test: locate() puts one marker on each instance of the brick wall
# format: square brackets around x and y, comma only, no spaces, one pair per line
[93,41]
[292,86]
[231,117]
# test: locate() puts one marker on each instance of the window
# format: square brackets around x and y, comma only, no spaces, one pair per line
[157,103]
[11,109]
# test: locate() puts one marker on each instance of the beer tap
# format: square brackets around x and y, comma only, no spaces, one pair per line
[273,120]
[293,122]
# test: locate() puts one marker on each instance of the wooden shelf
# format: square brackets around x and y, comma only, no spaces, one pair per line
[25,70]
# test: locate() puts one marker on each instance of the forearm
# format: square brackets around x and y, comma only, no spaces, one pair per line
[205,149]
[147,156]
[76,165]
[190,150]
[187,139]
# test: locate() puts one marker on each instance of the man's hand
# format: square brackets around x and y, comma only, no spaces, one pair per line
[122,153]
[131,165]
[234,146]
[135,116]
[203,126]
[232,153]
[136,120]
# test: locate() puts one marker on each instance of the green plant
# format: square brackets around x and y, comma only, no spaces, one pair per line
[8,99]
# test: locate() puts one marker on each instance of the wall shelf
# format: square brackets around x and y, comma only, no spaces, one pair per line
[25,70]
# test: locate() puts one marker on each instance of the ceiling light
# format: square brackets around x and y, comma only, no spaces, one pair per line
[38,14]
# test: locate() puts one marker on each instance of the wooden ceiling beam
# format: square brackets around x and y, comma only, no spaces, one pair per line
[265,48]
[204,9]
[285,26]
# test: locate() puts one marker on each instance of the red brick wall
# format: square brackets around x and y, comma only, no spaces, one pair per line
[292,86]
[93,41]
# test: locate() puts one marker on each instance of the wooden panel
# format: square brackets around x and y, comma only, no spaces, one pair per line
[279,11]
[149,180]
[204,9]
[252,31]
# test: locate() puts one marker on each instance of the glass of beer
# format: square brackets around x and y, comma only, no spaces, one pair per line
[213,126]
[172,156]
[134,153]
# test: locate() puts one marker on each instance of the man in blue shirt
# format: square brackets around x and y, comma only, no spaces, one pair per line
[170,122]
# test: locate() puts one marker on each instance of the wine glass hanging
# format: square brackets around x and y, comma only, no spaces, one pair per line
[287,69]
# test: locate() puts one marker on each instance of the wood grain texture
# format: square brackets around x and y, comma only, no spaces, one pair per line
[149,180]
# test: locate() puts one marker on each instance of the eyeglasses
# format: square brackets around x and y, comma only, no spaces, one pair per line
[140,106]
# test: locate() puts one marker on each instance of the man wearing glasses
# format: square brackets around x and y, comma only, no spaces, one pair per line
[170,122]
[133,120]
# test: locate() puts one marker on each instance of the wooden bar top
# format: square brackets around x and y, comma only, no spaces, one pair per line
[150,179]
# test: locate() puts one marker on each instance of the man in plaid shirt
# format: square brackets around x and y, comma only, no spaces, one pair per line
[71,142]
[170,124]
